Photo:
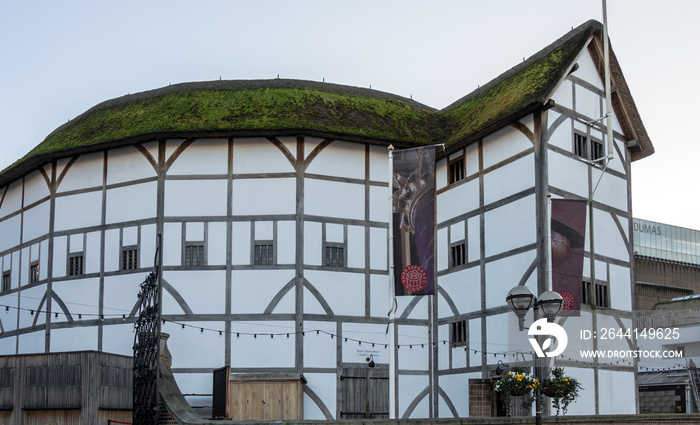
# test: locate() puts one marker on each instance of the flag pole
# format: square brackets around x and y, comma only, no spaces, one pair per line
[392,293]
[608,83]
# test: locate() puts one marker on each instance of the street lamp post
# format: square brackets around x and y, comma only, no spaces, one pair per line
[520,299]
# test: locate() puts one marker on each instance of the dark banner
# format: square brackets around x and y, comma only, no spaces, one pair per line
[568,239]
[414,221]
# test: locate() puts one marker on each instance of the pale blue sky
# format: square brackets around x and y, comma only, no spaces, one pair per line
[59,58]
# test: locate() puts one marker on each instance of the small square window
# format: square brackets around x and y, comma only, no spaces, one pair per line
[334,256]
[597,149]
[6,281]
[458,333]
[586,292]
[75,265]
[580,145]
[194,255]
[130,259]
[456,170]
[458,254]
[602,298]
[264,254]
[34,273]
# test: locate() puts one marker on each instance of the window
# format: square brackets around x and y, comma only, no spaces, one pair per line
[588,147]
[194,255]
[6,281]
[334,256]
[601,295]
[264,253]
[458,254]
[130,258]
[75,265]
[458,333]
[597,294]
[580,145]
[456,170]
[34,273]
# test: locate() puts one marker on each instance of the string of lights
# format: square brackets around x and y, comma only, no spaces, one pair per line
[360,342]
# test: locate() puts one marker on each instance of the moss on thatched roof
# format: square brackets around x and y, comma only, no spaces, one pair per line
[276,107]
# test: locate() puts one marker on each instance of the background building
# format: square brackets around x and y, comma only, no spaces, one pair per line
[273,203]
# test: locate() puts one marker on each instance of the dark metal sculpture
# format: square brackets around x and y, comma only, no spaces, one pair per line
[147,349]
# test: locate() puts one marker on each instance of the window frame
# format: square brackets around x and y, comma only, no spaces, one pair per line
[71,269]
[201,254]
[34,272]
[459,333]
[6,281]
[339,248]
[270,259]
[125,264]
[456,170]
[458,248]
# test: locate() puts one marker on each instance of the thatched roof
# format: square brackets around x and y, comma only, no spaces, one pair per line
[289,107]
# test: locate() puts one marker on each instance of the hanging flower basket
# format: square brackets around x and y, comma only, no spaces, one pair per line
[516,384]
[562,389]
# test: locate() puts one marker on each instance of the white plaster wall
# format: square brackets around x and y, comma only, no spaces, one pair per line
[379,203]
[585,404]
[195,198]
[119,339]
[128,164]
[240,249]
[272,196]
[217,244]
[35,187]
[59,257]
[147,250]
[92,252]
[259,155]
[563,96]
[320,350]
[86,172]
[419,311]
[515,177]
[324,386]
[442,248]
[312,243]
[8,318]
[441,171]
[472,159]
[334,199]
[589,103]
[13,199]
[286,242]
[344,292]
[562,135]
[378,248]
[415,357]
[43,258]
[36,221]
[253,290]
[340,159]
[356,246]
[504,144]
[504,274]
[172,244]
[474,342]
[263,351]
[202,157]
[8,347]
[74,339]
[81,296]
[620,288]
[568,174]
[464,289]
[204,291]
[33,342]
[410,387]
[79,210]
[131,202]
[611,191]
[510,226]
[379,295]
[30,299]
[10,230]
[459,200]
[588,71]
[191,347]
[608,240]
[455,387]
[616,401]
[379,164]
[120,292]
[474,242]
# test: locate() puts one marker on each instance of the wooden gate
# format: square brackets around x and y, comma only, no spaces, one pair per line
[364,393]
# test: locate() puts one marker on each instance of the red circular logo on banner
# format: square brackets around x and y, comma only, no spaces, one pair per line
[414,278]
[568,300]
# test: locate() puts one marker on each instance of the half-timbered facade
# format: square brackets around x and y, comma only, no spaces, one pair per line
[272,200]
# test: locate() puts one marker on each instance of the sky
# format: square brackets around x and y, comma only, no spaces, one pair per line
[58,59]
